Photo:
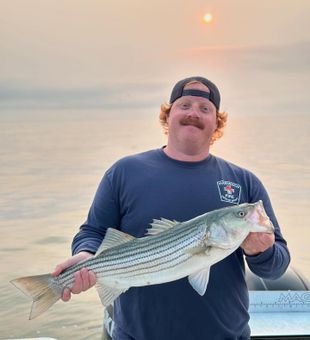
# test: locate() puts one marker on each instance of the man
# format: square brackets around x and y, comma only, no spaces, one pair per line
[180,181]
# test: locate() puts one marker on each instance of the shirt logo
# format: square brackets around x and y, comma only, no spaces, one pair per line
[229,192]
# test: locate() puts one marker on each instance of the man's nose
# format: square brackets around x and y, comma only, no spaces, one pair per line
[193,112]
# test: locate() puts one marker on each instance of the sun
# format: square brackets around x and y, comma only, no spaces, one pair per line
[207,18]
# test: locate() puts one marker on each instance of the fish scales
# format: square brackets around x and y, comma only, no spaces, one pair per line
[145,250]
[141,261]
[151,269]
[171,251]
[148,244]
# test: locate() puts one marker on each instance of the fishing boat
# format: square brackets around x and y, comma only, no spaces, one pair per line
[279,309]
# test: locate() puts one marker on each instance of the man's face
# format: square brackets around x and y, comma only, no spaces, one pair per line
[192,121]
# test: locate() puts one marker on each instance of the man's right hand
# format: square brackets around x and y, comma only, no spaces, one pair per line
[83,279]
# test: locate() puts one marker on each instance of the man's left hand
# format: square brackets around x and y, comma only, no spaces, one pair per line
[256,243]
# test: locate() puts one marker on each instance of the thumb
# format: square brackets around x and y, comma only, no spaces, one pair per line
[70,262]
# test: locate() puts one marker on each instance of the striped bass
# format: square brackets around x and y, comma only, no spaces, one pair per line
[170,251]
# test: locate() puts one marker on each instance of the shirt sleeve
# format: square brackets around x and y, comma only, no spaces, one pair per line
[273,262]
[103,214]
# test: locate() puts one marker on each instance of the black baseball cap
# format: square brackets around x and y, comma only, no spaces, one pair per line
[214,95]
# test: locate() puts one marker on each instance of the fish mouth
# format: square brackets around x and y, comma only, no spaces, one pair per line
[260,219]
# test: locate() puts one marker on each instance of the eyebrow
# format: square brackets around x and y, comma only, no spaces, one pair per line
[183,100]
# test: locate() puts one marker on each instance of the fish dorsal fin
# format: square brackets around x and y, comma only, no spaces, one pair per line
[108,294]
[158,226]
[113,238]
[199,280]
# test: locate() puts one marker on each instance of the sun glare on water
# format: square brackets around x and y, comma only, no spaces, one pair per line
[207,18]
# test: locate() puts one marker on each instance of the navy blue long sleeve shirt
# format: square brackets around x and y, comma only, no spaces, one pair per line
[139,188]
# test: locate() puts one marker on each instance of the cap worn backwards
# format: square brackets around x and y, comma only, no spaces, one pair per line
[214,94]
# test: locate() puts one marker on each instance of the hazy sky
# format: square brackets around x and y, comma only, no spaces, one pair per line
[94,53]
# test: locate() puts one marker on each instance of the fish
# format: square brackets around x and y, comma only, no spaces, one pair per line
[170,250]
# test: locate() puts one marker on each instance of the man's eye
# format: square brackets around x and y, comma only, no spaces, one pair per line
[205,109]
[184,106]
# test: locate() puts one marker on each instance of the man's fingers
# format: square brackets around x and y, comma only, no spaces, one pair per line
[256,243]
[70,262]
[77,287]
[64,265]
[57,270]
[85,279]
[268,238]
[92,278]
[66,295]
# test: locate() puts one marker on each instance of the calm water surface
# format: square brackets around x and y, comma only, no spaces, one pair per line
[50,169]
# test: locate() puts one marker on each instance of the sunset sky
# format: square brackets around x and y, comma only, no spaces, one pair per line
[89,54]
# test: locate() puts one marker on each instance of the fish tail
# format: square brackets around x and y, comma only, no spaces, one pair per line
[43,289]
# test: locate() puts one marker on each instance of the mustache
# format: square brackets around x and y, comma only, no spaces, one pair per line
[192,121]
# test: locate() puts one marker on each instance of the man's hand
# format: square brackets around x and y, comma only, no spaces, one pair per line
[256,243]
[84,279]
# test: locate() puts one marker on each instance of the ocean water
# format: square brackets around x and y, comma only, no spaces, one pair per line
[52,162]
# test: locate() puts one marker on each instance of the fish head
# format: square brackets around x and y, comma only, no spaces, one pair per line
[230,225]
[258,220]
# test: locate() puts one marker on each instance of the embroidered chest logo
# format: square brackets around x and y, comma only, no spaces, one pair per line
[229,192]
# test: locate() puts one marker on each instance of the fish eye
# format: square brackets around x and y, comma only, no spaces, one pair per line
[241,213]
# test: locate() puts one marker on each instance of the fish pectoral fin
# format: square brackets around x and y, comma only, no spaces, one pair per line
[108,294]
[158,226]
[198,250]
[113,237]
[199,280]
